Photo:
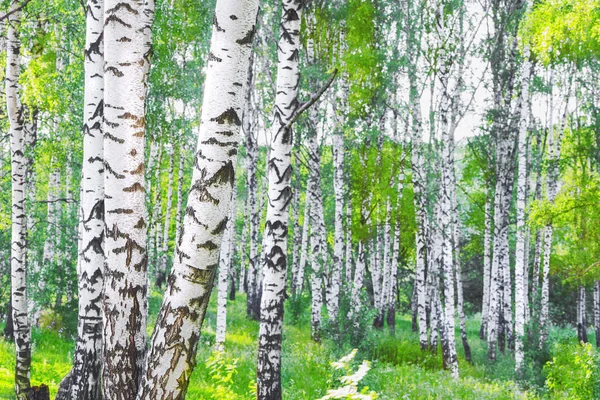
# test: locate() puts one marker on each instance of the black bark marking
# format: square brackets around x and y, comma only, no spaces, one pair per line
[229,117]
[136,187]
[212,57]
[208,245]
[248,38]
[220,226]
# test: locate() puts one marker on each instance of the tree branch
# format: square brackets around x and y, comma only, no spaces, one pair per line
[17,9]
[311,101]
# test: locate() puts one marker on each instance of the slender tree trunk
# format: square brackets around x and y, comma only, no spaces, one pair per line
[597,311]
[338,248]
[554,145]
[166,229]
[349,260]
[521,298]
[487,264]
[172,354]
[22,328]
[357,287]
[299,278]
[178,214]
[224,267]
[581,316]
[279,195]
[83,382]
[297,233]
[250,129]
[391,301]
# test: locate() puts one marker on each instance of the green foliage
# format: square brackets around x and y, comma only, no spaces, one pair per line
[362,59]
[574,372]
[221,373]
[561,31]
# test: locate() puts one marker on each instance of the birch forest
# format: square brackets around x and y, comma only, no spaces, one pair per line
[299,199]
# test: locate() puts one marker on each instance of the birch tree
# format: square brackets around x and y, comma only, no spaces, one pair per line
[126,280]
[279,197]
[172,353]
[83,382]
[22,327]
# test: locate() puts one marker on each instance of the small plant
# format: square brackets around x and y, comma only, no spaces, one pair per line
[350,381]
[574,371]
[222,373]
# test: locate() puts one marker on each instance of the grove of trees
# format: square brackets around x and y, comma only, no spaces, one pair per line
[380,173]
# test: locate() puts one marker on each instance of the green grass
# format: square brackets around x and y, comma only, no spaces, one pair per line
[399,369]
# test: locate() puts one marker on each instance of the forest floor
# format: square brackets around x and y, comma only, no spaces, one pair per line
[399,370]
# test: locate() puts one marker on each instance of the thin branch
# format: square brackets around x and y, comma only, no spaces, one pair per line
[311,101]
[17,9]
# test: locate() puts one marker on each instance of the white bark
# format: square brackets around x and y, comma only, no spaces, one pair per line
[521,298]
[338,248]
[487,264]
[83,382]
[126,279]
[597,311]
[167,226]
[22,327]
[224,268]
[172,354]
[554,146]
[279,197]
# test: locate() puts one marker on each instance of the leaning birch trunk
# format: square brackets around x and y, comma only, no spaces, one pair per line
[279,196]
[338,248]
[83,382]
[126,277]
[172,354]
[224,267]
[22,328]
[521,275]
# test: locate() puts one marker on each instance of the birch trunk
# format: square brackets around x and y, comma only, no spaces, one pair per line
[166,229]
[250,129]
[22,327]
[172,354]
[83,382]
[126,275]
[338,248]
[299,278]
[178,214]
[487,264]
[279,197]
[554,145]
[391,301]
[357,287]
[581,316]
[296,232]
[224,268]
[349,260]
[521,298]
[597,311]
